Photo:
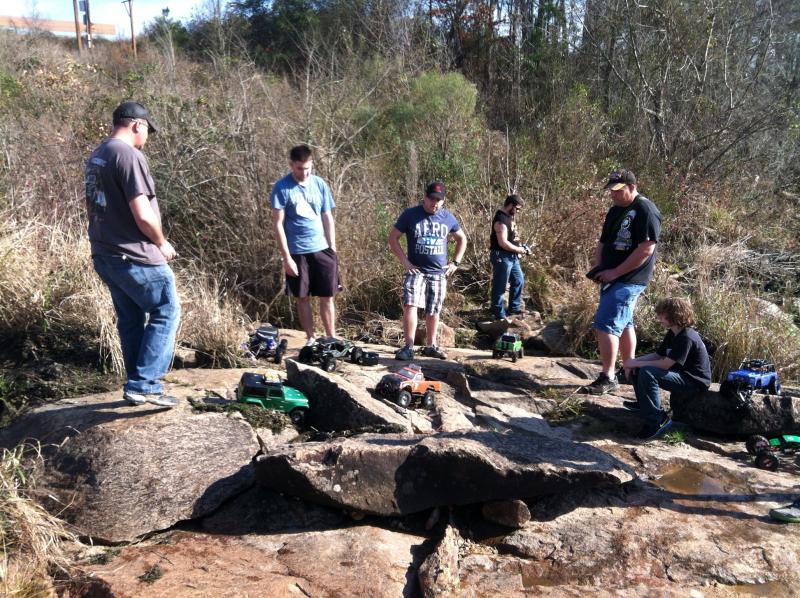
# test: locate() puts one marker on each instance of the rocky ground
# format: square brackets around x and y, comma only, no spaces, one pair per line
[513,484]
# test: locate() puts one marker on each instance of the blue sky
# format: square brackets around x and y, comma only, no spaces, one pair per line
[106,11]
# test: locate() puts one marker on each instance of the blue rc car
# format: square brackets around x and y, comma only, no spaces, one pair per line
[753,375]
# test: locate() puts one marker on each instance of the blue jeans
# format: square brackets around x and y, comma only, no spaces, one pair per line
[649,381]
[506,271]
[148,314]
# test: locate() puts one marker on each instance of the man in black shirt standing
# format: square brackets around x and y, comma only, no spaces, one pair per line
[680,364]
[505,252]
[623,265]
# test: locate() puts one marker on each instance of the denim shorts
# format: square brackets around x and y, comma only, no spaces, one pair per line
[616,307]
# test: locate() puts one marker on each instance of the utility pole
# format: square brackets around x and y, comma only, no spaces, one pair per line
[77,26]
[129,10]
[88,25]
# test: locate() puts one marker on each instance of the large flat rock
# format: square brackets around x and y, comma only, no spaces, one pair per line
[116,472]
[717,414]
[356,561]
[396,474]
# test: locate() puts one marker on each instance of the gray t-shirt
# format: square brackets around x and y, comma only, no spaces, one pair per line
[115,174]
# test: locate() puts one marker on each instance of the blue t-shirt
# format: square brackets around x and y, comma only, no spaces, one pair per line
[426,235]
[302,206]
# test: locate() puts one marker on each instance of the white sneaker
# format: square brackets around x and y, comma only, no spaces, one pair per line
[310,342]
[162,400]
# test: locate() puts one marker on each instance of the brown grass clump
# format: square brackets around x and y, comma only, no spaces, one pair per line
[212,323]
[31,540]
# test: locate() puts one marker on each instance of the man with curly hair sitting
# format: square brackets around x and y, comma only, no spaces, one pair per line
[679,365]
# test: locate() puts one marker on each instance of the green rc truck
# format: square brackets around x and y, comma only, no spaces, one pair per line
[269,392]
[508,344]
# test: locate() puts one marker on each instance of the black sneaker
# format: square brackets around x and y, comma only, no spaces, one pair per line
[601,386]
[650,432]
[434,351]
[630,405]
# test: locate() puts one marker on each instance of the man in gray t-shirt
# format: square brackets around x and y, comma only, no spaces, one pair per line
[130,253]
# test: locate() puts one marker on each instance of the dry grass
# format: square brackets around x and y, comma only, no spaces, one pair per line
[31,540]
[225,131]
[212,323]
[47,283]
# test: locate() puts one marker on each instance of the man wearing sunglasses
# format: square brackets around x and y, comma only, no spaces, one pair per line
[130,253]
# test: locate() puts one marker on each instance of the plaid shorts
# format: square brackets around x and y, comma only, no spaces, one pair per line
[425,290]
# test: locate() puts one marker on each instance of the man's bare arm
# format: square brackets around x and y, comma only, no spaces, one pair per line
[148,222]
[289,265]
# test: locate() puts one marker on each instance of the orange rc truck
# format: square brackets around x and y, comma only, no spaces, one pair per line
[407,384]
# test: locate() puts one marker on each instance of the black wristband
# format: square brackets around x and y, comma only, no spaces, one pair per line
[456,263]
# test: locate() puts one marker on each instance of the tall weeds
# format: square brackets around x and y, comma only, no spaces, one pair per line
[31,540]
[381,126]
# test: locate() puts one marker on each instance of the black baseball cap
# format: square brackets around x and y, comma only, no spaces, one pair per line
[619,178]
[435,190]
[133,111]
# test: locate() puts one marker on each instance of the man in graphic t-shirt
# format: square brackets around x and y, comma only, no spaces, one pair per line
[305,230]
[505,251]
[427,228]
[623,265]
[130,254]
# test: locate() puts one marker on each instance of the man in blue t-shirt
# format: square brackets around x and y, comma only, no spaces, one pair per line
[302,219]
[427,228]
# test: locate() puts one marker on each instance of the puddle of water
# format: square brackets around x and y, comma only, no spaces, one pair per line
[536,574]
[683,479]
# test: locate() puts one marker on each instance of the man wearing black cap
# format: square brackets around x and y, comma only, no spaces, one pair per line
[130,253]
[623,265]
[505,251]
[426,228]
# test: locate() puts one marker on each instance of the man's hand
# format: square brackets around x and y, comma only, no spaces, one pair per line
[409,267]
[167,250]
[526,249]
[607,276]
[451,268]
[290,267]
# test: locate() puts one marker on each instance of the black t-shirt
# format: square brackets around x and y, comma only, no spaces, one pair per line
[689,353]
[623,230]
[503,218]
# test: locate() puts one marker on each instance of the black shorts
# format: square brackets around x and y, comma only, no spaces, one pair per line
[318,275]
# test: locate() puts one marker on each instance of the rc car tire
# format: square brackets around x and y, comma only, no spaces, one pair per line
[280,350]
[404,398]
[357,356]
[495,354]
[756,444]
[521,353]
[306,355]
[298,416]
[766,460]
[329,363]
[427,399]
[514,356]
[774,388]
